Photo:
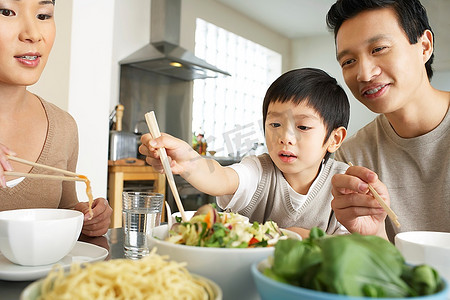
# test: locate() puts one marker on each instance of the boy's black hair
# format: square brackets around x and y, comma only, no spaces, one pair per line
[318,90]
[411,14]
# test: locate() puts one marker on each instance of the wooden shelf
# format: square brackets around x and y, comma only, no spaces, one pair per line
[117,175]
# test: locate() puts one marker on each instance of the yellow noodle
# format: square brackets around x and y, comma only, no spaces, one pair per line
[88,193]
[153,277]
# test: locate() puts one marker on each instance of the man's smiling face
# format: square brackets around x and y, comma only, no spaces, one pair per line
[381,68]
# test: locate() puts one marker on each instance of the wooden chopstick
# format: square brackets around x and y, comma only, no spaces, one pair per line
[383,204]
[43,176]
[154,131]
[26,162]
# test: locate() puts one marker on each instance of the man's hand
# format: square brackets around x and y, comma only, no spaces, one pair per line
[354,205]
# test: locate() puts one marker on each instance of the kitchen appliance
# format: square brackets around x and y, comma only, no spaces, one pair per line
[122,145]
[164,55]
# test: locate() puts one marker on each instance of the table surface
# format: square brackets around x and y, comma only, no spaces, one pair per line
[112,241]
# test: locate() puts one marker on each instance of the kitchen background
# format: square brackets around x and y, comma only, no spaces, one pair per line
[83,73]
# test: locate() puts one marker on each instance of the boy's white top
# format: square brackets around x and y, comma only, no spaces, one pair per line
[250,172]
[250,168]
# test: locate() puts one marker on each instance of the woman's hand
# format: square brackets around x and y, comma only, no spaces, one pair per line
[354,206]
[4,163]
[101,219]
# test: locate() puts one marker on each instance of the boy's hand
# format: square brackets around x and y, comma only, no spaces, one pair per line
[206,175]
[180,154]
[354,206]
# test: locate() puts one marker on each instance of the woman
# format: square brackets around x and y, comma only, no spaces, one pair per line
[30,127]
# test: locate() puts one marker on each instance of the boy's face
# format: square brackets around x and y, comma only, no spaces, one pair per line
[381,68]
[295,138]
[26,38]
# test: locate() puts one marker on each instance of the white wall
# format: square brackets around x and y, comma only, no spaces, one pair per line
[441,80]
[90,87]
[131,31]
[233,21]
[77,78]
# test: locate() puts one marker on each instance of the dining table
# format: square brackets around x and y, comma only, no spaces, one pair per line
[111,241]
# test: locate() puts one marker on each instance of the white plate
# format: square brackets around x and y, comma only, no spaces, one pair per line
[81,252]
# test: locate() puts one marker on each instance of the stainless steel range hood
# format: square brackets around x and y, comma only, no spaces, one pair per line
[164,55]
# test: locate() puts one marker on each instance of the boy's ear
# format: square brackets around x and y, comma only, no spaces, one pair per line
[427,45]
[336,138]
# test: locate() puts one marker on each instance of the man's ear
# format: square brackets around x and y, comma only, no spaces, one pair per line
[427,45]
[336,138]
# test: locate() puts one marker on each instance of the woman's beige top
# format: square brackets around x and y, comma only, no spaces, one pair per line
[61,151]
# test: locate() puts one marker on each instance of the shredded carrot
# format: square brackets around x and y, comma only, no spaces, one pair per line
[208,220]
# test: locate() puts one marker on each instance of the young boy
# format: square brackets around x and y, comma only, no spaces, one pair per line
[385,49]
[305,114]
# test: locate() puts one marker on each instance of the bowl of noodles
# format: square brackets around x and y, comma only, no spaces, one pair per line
[226,255]
[153,277]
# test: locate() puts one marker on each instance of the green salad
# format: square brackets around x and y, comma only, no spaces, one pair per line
[209,228]
[353,265]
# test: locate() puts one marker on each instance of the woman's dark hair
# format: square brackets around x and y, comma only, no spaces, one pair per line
[411,14]
[318,90]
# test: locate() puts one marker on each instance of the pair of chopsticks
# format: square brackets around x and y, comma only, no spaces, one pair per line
[383,204]
[71,176]
[154,131]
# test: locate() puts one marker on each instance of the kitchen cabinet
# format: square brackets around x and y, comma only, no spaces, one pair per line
[117,175]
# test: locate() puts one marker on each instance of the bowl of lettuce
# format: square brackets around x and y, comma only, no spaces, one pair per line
[221,247]
[343,267]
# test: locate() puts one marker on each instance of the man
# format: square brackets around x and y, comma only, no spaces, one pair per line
[385,49]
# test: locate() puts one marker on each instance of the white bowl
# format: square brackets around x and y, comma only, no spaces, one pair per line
[426,247]
[228,267]
[34,237]
[188,214]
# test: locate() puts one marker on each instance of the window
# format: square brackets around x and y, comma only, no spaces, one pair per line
[229,109]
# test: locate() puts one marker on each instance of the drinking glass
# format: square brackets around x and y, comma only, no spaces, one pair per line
[141,213]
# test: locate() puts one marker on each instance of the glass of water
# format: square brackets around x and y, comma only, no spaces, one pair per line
[141,212]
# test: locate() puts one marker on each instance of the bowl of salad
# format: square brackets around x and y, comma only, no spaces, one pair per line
[221,247]
[344,267]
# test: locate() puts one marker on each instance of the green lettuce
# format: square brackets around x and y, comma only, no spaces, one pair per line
[353,265]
